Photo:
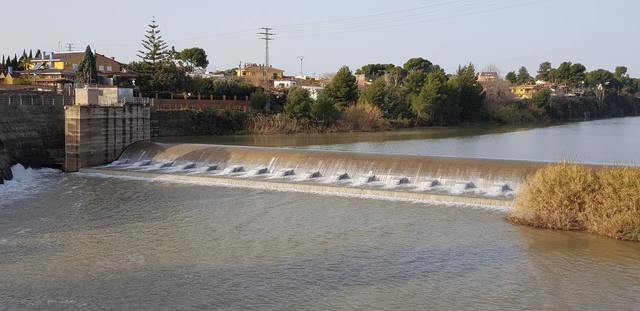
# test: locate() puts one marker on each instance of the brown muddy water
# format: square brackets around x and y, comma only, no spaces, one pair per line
[85,242]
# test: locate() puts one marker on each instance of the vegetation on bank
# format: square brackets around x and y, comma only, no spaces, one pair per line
[567,196]
[418,93]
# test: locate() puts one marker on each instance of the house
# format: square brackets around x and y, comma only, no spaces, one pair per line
[487,76]
[284,84]
[59,68]
[525,91]
[259,75]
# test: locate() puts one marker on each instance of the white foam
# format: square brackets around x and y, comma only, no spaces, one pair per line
[25,183]
[168,178]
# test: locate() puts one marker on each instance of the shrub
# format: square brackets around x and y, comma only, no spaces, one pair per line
[364,117]
[615,209]
[566,196]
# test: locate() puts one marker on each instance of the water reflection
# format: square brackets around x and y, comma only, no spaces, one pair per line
[298,140]
[611,141]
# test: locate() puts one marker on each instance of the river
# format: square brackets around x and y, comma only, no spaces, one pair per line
[81,242]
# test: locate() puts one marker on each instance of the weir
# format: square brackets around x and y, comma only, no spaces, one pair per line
[400,177]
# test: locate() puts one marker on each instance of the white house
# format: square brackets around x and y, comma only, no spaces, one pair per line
[284,84]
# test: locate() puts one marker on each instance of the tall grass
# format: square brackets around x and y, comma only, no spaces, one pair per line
[567,196]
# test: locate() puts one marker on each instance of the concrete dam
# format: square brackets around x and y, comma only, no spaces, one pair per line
[480,182]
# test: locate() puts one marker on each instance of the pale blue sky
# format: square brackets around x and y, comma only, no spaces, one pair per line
[331,33]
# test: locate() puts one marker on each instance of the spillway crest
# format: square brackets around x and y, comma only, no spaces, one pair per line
[399,176]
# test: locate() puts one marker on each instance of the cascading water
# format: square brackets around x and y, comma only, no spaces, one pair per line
[419,178]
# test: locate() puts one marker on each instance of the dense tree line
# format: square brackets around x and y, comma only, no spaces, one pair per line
[569,92]
[18,63]
[418,92]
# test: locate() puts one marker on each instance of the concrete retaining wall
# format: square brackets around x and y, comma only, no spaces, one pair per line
[31,132]
[96,135]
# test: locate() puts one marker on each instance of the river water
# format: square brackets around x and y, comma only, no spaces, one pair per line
[82,242]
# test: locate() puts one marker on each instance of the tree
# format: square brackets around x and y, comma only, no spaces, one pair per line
[194,57]
[376,94]
[258,100]
[436,103]
[414,82]
[621,72]
[562,74]
[374,71]
[86,72]
[523,76]
[542,99]
[323,109]
[298,103]
[511,77]
[576,74]
[23,62]
[342,90]
[15,63]
[154,47]
[599,77]
[418,64]
[544,71]
[38,54]
[470,94]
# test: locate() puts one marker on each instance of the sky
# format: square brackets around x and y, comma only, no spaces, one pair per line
[331,33]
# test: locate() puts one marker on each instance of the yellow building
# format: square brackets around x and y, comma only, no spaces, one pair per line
[69,61]
[58,68]
[259,75]
[524,91]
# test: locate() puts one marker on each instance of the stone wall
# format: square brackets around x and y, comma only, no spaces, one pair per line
[97,135]
[31,130]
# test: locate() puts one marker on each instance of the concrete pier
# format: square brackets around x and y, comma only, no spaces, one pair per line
[99,127]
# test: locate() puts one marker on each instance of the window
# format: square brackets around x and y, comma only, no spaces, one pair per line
[100,68]
[109,68]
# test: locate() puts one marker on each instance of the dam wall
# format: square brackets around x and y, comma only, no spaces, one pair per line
[384,168]
[97,135]
[31,130]
[418,178]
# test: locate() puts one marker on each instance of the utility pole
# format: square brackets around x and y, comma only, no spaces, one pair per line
[301,58]
[70,47]
[268,36]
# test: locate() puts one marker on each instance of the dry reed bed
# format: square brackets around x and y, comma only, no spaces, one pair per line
[567,196]
[361,117]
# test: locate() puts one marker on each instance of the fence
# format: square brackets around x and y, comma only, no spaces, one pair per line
[35,99]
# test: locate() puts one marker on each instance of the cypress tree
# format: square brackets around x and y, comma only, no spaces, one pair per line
[38,54]
[87,72]
[30,54]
